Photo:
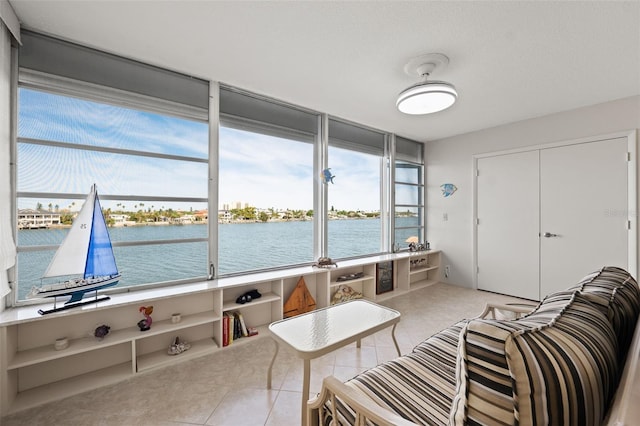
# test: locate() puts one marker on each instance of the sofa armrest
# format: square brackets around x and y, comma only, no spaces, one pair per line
[516,310]
[623,409]
[364,408]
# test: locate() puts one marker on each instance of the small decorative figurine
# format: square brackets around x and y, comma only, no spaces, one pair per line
[325,262]
[145,324]
[413,243]
[345,293]
[177,347]
[101,331]
[248,297]
[61,343]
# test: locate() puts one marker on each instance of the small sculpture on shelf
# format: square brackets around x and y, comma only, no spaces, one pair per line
[416,263]
[325,262]
[348,277]
[145,324]
[101,331]
[415,245]
[177,347]
[248,297]
[61,343]
[344,294]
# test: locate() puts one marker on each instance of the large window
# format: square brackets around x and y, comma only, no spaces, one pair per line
[265,189]
[408,192]
[147,156]
[66,144]
[180,203]
[355,159]
[266,201]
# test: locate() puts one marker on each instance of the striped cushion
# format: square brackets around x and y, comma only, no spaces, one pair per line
[418,386]
[614,291]
[566,372]
[443,346]
[561,359]
[414,386]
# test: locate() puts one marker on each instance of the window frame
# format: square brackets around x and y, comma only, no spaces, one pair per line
[62,86]
[211,114]
[417,162]
[359,138]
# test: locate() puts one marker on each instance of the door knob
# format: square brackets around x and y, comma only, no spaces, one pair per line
[549,235]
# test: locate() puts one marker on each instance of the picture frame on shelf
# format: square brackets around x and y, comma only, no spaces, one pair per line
[384,277]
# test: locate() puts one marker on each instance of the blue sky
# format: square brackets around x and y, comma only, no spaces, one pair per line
[261,170]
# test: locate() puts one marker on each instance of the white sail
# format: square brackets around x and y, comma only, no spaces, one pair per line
[71,257]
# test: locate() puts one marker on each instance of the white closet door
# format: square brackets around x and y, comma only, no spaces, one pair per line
[507,232]
[584,202]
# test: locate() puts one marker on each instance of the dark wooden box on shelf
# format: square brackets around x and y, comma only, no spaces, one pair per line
[384,277]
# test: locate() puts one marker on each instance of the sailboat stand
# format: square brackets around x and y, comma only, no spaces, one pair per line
[72,305]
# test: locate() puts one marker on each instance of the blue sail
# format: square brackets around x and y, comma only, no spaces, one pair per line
[100,259]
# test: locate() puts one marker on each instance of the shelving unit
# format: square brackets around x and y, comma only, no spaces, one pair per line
[424,269]
[32,372]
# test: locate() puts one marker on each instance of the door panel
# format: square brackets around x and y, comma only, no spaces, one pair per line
[508,213]
[583,195]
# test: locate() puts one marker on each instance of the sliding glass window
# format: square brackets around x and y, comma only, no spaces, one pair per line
[355,161]
[147,156]
[408,192]
[265,217]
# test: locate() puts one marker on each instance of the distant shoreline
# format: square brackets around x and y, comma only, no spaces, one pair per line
[231,222]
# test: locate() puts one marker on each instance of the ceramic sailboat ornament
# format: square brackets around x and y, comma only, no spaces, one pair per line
[85,253]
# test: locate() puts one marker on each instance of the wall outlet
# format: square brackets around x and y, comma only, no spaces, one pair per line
[447,271]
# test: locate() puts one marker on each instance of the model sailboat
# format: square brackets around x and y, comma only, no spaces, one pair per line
[86,252]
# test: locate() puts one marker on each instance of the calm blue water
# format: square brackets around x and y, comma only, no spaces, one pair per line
[242,247]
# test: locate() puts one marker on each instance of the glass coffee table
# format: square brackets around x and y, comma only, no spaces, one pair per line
[317,333]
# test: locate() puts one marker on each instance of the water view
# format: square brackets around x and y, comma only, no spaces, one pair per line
[242,247]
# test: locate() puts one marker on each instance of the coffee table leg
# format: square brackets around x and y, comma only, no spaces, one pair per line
[275,354]
[393,335]
[305,390]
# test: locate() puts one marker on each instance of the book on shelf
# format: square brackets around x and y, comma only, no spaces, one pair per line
[234,327]
[243,325]
[225,330]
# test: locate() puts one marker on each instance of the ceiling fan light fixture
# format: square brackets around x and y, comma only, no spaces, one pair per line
[427,96]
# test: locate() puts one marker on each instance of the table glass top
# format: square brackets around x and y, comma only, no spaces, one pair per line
[324,327]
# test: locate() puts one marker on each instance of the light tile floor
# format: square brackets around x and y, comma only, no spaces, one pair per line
[229,386]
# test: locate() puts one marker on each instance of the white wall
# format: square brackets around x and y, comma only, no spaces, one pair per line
[450,160]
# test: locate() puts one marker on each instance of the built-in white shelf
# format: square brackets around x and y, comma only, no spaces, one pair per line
[352,281]
[161,358]
[422,284]
[33,372]
[266,298]
[69,387]
[424,269]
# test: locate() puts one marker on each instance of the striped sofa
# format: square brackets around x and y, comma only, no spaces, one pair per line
[560,364]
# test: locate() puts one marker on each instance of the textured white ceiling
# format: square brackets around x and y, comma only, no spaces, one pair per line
[509,60]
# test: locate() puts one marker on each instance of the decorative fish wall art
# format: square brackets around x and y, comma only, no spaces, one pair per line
[327,176]
[448,189]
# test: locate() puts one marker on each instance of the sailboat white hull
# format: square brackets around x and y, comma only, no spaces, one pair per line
[78,285]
